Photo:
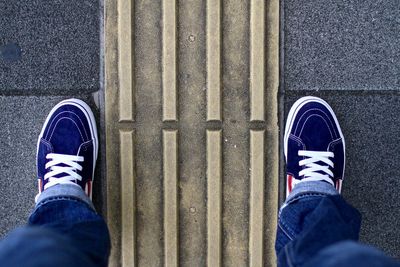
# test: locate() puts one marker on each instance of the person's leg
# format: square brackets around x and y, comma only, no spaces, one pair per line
[37,247]
[67,210]
[314,216]
[351,254]
[312,219]
[64,229]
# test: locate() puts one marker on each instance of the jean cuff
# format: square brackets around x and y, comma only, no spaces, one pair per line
[64,190]
[316,187]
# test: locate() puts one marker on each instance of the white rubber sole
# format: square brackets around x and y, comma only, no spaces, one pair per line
[92,124]
[293,113]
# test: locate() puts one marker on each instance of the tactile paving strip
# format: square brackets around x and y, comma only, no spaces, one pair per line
[192,131]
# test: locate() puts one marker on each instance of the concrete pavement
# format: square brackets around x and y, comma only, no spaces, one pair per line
[192,119]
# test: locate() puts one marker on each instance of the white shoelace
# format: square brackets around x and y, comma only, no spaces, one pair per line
[70,168]
[312,172]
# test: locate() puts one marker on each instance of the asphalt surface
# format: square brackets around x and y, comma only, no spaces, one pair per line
[341,45]
[348,53]
[49,47]
[49,51]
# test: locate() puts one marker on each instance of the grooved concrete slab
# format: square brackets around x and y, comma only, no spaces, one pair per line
[214,197]
[205,140]
[59,46]
[341,45]
[370,125]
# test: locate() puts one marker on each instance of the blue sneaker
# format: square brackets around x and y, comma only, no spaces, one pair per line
[314,145]
[67,147]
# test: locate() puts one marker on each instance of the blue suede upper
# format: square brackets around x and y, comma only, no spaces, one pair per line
[67,132]
[314,129]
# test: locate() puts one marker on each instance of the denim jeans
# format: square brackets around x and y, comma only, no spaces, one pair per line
[63,230]
[318,228]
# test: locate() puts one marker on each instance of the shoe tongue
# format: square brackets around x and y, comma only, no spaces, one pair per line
[66,138]
[322,164]
[316,134]
[66,151]
[62,174]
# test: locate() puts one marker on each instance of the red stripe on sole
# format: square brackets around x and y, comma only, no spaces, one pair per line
[289,183]
[40,185]
[89,189]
